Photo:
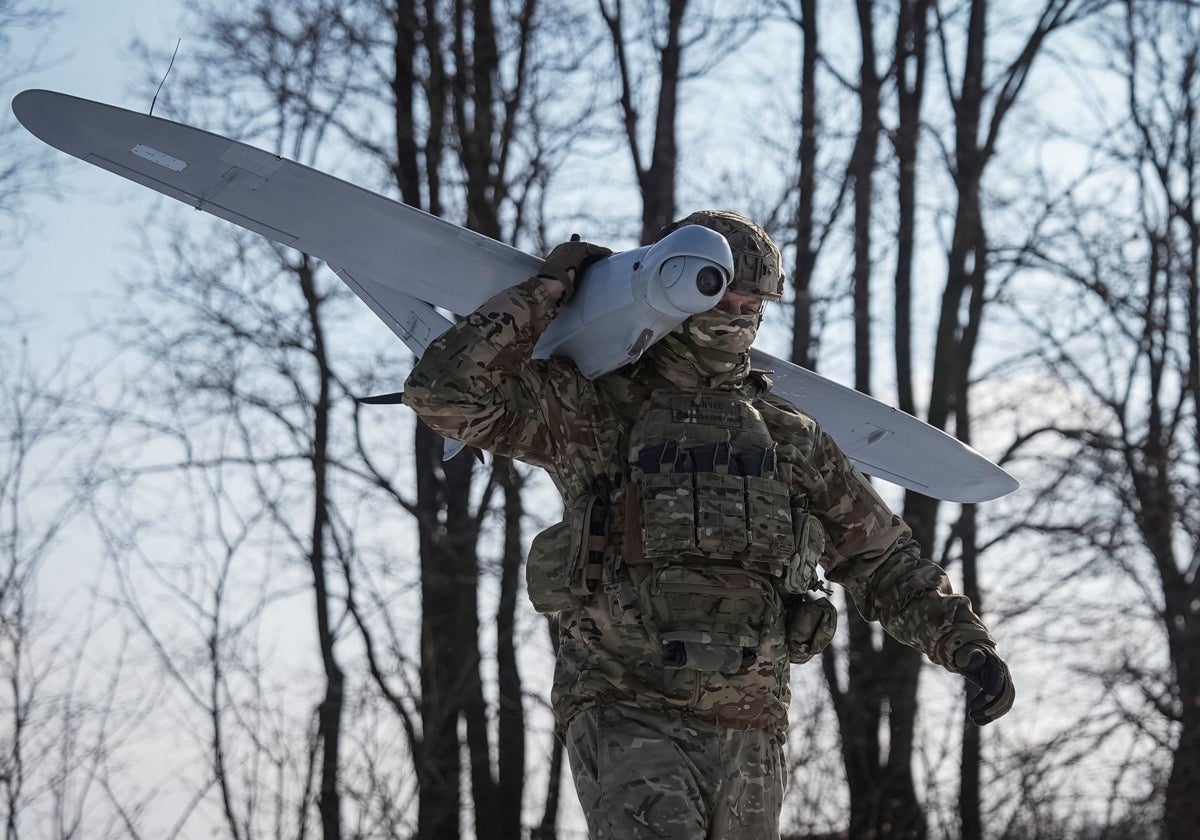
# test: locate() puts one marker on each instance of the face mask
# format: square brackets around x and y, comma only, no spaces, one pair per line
[709,348]
[717,332]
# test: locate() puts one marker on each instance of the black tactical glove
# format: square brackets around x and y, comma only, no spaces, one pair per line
[568,259]
[996,694]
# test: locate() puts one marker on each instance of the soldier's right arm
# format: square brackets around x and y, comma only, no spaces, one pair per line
[477,383]
[870,551]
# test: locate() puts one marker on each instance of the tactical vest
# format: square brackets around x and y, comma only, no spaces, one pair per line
[704,467]
[708,511]
[710,537]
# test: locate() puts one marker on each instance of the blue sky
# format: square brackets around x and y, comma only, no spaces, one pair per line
[78,244]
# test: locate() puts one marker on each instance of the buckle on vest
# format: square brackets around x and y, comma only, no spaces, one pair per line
[620,598]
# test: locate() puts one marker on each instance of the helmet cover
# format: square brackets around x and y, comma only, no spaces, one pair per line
[757,264]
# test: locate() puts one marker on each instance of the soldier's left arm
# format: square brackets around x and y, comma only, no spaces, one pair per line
[870,551]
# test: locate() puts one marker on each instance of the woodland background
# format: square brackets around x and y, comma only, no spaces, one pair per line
[236,603]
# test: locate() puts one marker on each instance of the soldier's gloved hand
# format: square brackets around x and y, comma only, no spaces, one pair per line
[996,693]
[568,259]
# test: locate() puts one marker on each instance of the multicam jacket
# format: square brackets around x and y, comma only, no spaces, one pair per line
[478,383]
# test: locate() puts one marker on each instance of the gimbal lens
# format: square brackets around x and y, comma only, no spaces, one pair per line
[710,281]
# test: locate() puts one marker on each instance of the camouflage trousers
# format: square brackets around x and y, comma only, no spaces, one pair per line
[650,774]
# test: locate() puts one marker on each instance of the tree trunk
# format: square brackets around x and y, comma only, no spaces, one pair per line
[406,167]
[548,828]
[482,140]
[658,182]
[656,179]
[969,810]
[439,762]
[911,43]
[1182,809]
[437,94]
[883,801]
[439,765]
[330,711]
[1182,806]
[511,735]
[969,813]
[803,348]
[862,172]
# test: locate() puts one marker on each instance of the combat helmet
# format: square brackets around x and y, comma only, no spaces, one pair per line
[757,265]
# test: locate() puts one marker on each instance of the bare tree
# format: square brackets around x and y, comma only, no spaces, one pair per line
[1131,351]
[819,183]
[655,51]
[803,340]
[976,137]
[488,116]
[236,409]
[876,693]
[60,725]
[290,51]
[27,166]
[458,113]
[56,733]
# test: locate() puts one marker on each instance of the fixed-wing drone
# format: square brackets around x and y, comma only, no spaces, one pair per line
[406,264]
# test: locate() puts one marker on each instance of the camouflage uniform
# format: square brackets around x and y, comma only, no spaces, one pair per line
[641,773]
[478,383]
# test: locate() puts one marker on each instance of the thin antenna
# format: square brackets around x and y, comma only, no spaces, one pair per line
[164,78]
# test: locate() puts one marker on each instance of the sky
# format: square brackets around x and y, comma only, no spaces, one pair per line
[77,246]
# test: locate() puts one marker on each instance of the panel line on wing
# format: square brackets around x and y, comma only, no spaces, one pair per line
[218,210]
[887,475]
[263,164]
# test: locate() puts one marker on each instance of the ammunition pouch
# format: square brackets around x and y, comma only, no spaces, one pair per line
[810,545]
[745,520]
[725,506]
[566,560]
[708,618]
[546,570]
[811,623]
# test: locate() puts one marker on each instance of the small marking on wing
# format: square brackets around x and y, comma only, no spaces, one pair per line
[161,158]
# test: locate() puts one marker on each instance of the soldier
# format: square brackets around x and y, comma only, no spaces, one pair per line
[697,508]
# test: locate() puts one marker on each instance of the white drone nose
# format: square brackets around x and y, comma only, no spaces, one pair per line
[627,301]
[694,265]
